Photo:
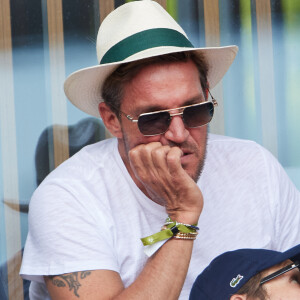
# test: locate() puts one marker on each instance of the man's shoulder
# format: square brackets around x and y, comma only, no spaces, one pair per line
[87,161]
[231,151]
[79,174]
[214,139]
[231,144]
[98,151]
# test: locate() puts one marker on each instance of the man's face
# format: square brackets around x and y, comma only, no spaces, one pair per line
[158,87]
[285,286]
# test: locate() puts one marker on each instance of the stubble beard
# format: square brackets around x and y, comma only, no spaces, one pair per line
[201,162]
[200,166]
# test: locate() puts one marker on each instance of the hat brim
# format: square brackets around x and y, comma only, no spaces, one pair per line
[293,254]
[83,87]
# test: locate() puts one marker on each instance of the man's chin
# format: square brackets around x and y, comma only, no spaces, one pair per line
[194,174]
[193,168]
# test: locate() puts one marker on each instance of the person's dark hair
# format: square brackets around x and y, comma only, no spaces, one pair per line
[112,90]
[253,289]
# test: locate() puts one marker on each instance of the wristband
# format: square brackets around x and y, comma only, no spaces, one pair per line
[169,221]
[171,229]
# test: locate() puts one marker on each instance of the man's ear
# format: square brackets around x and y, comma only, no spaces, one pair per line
[238,297]
[110,120]
[206,91]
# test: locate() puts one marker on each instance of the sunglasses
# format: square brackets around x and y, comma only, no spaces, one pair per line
[280,272]
[158,122]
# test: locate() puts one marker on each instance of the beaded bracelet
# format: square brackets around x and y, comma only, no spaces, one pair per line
[184,236]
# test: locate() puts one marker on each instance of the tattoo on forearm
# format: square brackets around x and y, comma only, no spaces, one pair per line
[71,279]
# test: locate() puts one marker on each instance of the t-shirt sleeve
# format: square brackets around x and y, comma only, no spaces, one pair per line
[286,199]
[69,231]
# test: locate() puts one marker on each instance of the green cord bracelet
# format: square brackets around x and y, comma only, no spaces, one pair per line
[170,229]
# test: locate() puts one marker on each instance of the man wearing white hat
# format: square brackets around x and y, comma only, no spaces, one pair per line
[96,219]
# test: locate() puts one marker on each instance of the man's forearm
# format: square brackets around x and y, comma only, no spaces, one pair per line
[164,274]
[162,278]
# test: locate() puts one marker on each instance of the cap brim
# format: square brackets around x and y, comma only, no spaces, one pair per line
[292,254]
[83,87]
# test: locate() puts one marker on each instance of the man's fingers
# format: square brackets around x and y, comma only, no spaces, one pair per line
[156,160]
[141,160]
[174,162]
[142,153]
[159,155]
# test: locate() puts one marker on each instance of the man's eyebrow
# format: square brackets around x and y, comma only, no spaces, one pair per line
[194,100]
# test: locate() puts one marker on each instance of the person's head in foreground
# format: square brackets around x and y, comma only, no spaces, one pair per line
[252,274]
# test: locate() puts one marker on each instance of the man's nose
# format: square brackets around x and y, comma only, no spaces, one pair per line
[177,131]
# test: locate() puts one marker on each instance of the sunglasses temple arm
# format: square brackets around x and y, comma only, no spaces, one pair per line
[214,101]
[280,272]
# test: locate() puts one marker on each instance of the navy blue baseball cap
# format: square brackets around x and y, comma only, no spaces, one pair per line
[228,272]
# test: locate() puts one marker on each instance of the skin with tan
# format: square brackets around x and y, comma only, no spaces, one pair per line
[284,287]
[165,168]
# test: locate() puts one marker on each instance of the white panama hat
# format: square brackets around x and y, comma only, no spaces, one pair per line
[134,31]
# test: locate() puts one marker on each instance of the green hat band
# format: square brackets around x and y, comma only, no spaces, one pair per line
[144,40]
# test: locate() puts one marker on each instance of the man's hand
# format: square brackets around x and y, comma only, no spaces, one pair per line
[159,170]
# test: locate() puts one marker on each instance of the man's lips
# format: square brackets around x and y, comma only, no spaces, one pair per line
[187,154]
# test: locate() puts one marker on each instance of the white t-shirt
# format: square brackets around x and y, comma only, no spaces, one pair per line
[88,214]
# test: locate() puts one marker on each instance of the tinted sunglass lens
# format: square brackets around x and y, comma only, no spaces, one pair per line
[153,124]
[198,115]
